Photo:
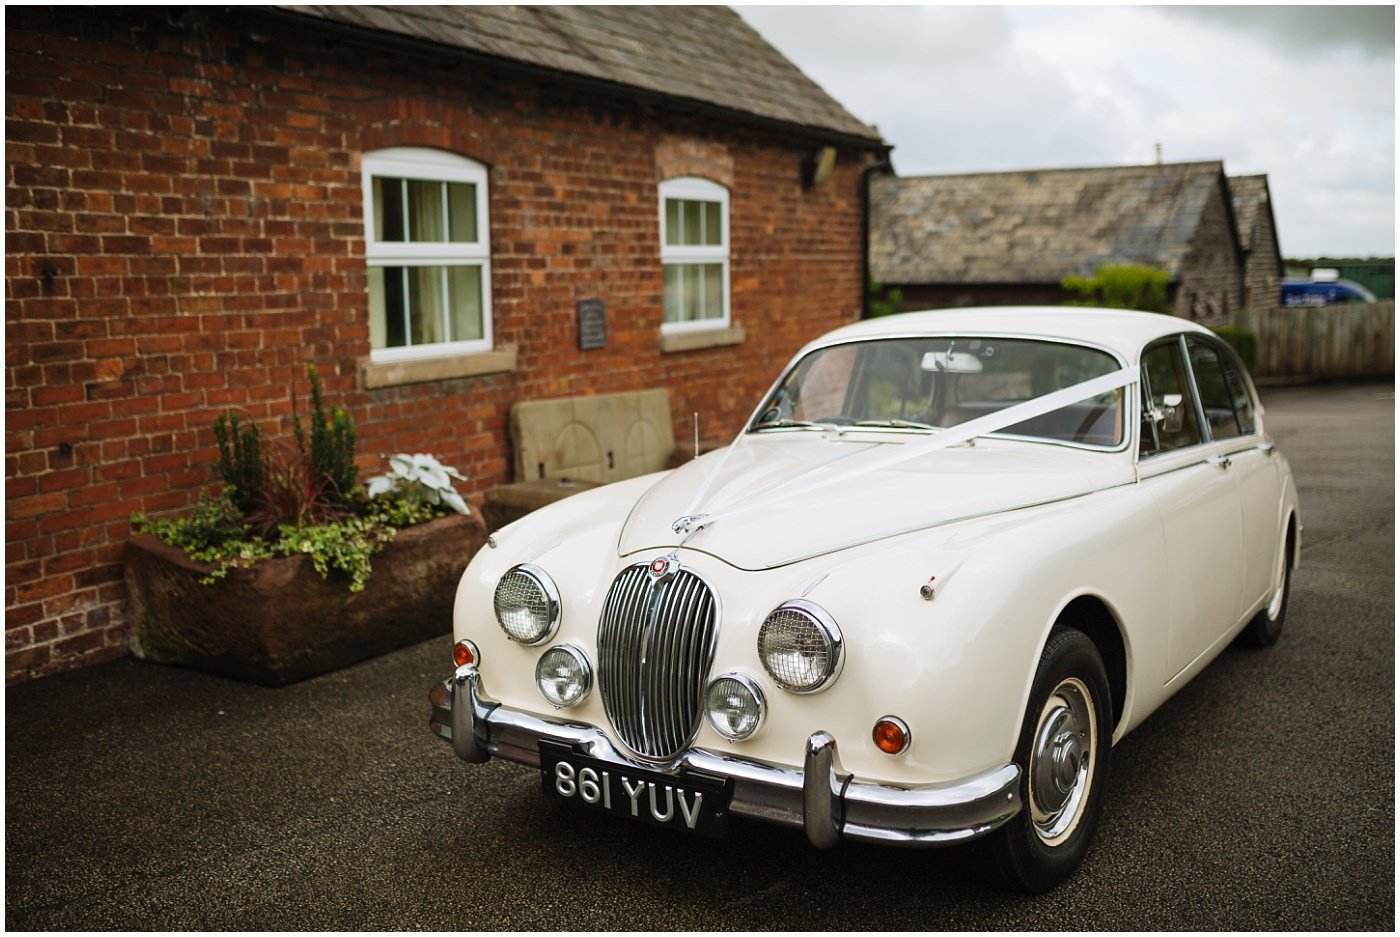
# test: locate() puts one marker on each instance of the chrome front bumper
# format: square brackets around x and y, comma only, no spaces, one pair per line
[822,799]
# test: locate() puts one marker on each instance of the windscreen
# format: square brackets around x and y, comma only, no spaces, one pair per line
[931,383]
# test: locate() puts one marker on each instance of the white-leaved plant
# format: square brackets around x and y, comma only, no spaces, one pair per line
[422,477]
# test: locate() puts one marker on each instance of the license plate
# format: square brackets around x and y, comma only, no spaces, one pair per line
[692,803]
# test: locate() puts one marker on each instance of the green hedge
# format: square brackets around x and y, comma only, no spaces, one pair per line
[1245,343]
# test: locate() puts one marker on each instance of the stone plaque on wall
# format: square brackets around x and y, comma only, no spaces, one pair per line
[592,324]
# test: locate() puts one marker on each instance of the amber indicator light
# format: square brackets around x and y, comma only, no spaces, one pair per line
[890,737]
[462,654]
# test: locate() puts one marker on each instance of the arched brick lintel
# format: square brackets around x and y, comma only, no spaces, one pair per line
[428,123]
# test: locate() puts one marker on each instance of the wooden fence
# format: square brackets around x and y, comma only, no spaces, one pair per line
[1355,340]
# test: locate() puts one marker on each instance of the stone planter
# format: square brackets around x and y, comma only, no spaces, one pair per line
[278,621]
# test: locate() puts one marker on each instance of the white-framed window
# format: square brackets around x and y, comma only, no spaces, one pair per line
[694,255]
[428,253]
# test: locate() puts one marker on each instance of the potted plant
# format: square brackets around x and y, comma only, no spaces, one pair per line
[294,569]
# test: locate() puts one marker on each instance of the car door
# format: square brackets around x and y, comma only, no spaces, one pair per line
[1181,467]
[1249,459]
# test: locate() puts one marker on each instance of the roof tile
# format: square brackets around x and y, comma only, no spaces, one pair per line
[698,53]
[1035,226]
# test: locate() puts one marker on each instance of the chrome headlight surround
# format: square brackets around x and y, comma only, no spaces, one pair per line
[739,684]
[799,633]
[564,662]
[527,604]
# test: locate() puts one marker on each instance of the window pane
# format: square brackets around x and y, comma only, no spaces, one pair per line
[713,228]
[425,304]
[386,307]
[1174,419]
[425,211]
[673,221]
[1244,406]
[388,209]
[714,291]
[691,222]
[1215,395]
[377,337]
[464,284]
[690,301]
[671,302]
[461,206]
[692,292]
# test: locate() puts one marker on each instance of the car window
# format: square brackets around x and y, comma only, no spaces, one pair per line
[1168,418]
[929,383]
[1239,394]
[1217,397]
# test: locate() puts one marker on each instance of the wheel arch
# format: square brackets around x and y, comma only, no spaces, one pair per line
[1092,616]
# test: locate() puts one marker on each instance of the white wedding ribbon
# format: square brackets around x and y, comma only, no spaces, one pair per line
[882,457]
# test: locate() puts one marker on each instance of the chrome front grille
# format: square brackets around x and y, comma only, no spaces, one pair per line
[656,641]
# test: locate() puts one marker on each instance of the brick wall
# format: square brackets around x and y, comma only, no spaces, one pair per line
[184,235]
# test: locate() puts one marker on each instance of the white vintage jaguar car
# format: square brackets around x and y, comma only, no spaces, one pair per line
[951,559]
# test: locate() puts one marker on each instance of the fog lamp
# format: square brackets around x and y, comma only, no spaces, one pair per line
[891,735]
[527,604]
[800,646]
[563,676]
[735,706]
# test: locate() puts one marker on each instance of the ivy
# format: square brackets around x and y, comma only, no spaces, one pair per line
[216,535]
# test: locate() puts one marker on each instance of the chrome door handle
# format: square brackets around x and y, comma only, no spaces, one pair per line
[1221,460]
[1266,447]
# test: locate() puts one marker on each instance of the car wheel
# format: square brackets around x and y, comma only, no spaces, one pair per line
[1265,627]
[1063,755]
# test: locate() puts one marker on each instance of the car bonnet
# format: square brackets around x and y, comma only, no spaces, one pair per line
[770,507]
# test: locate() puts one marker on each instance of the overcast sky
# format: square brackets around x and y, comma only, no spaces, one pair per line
[1304,94]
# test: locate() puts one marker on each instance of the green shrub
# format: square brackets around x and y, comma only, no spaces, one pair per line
[331,454]
[240,460]
[1245,342]
[1121,286]
[883,302]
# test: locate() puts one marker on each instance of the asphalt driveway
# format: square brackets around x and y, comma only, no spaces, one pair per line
[1261,797]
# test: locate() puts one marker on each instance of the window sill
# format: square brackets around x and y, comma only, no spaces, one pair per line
[421,371]
[694,341]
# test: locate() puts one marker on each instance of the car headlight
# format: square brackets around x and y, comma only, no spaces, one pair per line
[527,604]
[735,706]
[800,646]
[563,676]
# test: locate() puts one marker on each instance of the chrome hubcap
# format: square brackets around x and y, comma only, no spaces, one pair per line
[1062,760]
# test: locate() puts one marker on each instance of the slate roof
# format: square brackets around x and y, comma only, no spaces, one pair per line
[1037,226]
[706,54]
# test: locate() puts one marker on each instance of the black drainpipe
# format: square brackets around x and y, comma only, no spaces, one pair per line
[885,166]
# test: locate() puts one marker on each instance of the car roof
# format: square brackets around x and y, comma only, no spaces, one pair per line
[1121,330]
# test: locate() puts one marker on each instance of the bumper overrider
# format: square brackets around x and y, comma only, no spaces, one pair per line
[822,799]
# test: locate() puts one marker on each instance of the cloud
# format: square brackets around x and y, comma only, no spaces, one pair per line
[1304,94]
[1304,29]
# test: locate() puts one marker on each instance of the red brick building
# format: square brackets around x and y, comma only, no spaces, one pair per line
[201,202]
